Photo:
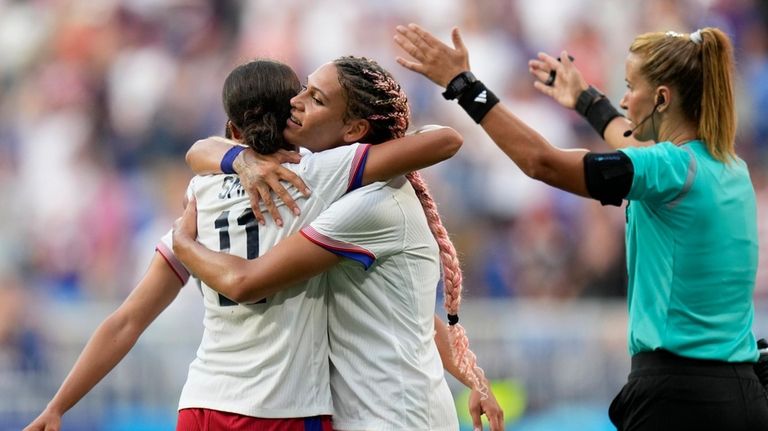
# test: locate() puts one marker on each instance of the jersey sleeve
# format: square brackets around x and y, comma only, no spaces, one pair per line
[165,249]
[334,172]
[662,172]
[360,226]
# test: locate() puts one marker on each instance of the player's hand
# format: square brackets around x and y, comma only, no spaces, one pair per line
[568,82]
[47,421]
[431,57]
[488,407]
[185,227]
[260,175]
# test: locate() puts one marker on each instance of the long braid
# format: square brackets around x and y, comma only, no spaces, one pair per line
[464,358]
[373,94]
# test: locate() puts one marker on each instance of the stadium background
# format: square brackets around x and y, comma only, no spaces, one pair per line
[100,100]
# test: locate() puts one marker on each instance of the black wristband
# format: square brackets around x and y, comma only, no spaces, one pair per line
[477,101]
[458,85]
[596,108]
[586,99]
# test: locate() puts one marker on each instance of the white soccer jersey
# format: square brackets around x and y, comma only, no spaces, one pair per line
[267,359]
[386,372]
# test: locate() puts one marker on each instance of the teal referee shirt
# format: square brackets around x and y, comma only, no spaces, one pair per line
[691,253]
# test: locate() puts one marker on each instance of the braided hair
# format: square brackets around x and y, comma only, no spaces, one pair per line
[257,99]
[374,95]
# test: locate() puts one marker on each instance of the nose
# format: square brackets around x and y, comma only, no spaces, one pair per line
[623,102]
[296,102]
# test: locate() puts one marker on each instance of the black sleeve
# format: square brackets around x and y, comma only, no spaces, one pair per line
[609,176]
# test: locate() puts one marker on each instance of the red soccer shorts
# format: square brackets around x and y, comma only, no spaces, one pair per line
[214,420]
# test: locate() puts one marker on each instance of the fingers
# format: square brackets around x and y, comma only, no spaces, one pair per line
[255,199]
[551,62]
[266,198]
[285,156]
[538,70]
[283,194]
[477,422]
[544,88]
[458,43]
[411,43]
[290,176]
[410,65]
[496,421]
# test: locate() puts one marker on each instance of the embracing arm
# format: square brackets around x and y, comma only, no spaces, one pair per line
[292,260]
[112,340]
[261,174]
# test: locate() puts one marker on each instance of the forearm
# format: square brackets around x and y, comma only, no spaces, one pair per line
[533,154]
[410,153]
[292,260]
[106,348]
[446,356]
[115,337]
[204,157]
[221,271]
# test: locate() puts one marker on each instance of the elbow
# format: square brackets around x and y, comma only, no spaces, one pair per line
[190,156]
[541,168]
[236,287]
[454,141]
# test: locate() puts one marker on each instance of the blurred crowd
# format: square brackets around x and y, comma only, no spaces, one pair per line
[99,101]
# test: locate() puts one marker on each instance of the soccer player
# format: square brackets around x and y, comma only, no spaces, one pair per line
[245,375]
[381,263]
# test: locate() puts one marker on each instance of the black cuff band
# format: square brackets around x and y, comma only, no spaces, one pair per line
[596,108]
[600,114]
[477,101]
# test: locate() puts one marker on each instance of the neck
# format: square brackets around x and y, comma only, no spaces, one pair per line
[679,134]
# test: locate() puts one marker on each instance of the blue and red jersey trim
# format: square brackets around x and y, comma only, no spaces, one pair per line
[350,251]
[358,167]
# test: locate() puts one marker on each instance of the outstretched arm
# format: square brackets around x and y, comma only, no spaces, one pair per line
[260,174]
[292,260]
[112,340]
[529,150]
[477,406]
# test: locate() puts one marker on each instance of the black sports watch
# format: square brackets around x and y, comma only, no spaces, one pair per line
[458,85]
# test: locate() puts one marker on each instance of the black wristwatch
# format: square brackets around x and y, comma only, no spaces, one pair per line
[458,85]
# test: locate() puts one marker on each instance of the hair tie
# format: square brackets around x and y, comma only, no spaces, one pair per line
[696,37]
[453,319]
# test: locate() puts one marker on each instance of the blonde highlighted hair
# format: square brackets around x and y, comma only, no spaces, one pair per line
[700,66]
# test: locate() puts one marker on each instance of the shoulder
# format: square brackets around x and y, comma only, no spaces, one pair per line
[660,156]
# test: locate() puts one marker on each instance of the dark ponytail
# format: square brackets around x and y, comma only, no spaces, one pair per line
[256,97]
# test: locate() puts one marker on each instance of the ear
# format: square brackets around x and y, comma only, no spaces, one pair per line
[234,131]
[355,130]
[663,98]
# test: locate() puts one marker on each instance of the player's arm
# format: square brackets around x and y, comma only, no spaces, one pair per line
[262,174]
[477,406]
[259,174]
[292,260]
[112,340]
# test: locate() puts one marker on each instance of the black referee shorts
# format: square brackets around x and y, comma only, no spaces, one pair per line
[669,392]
